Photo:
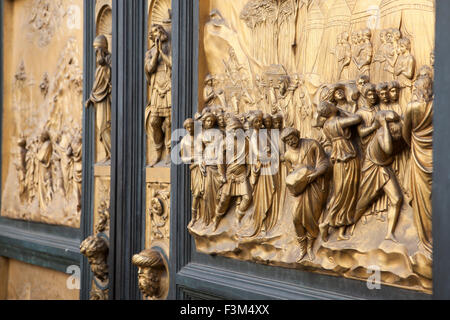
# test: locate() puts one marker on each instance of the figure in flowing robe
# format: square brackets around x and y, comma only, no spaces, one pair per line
[341,208]
[101,94]
[209,140]
[263,179]
[378,178]
[418,133]
[364,58]
[190,155]
[45,183]
[77,158]
[367,130]
[404,71]
[307,165]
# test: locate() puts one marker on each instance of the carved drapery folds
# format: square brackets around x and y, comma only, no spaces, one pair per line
[317,162]
[42,118]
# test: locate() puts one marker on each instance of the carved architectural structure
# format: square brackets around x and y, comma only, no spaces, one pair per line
[312,147]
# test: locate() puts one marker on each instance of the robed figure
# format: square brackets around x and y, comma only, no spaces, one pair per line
[101,93]
[418,133]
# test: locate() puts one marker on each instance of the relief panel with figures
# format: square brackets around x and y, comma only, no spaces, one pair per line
[312,146]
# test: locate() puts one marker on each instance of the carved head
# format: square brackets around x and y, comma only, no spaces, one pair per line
[369,92]
[189,125]
[326,110]
[360,36]
[383,92]
[208,120]
[100,42]
[366,34]
[277,121]
[151,268]
[291,137]
[209,79]
[157,207]
[404,45]
[394,91]
[268,121]
[96,249]
[157,32]
[423,86]
[256,119]
[283,83]
[221,120]
[396,34]
[45,136]
[362,81]
[338,93]
[233,123]
[389,36]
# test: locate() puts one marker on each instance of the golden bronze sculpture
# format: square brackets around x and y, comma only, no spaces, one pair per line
[153,276]
[418,133]
[158,70]
[101,94]
[96,249]
[300,145]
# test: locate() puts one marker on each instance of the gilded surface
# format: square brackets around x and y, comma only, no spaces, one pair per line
[42,138]
[158,72]
[152,266]
[96,246]
[312,148]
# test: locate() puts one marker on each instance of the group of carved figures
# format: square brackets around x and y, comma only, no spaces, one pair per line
[360,165]
[355,55]
[49,164]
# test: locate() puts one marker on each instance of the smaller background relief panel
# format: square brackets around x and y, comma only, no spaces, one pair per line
[42,111]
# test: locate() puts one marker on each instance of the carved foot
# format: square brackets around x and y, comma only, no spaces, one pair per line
[167,159]
[216,222]
[323,227]
[311,255]
[156,159]
[302,253]
[342,235]
[240,215]
[352,229]
[391,237]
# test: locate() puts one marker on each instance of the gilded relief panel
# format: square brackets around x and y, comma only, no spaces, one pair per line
[42,111]
[312,147]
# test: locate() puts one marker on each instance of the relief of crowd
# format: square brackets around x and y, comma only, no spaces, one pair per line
[372,151]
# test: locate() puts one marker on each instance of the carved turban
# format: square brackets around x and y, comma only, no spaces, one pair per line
[148,259]
[101,42]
